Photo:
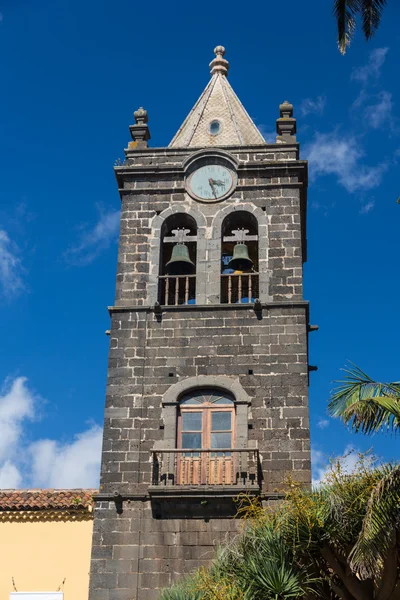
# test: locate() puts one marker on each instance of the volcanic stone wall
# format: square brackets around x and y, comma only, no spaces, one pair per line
[143,542]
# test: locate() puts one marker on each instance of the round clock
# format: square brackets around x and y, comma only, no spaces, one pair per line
[211,182]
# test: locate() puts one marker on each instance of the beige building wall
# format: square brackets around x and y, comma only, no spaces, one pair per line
[40,554]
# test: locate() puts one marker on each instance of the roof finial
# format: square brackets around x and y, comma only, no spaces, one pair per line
[140,131]
[219,64]
[286,125]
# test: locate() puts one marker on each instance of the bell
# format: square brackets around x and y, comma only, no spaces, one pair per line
[240,260]
[180,263]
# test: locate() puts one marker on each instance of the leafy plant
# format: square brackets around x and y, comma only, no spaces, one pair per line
[184,590]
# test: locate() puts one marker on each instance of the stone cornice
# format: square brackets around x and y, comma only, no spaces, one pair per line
[215,308]
[180,492]
[211,307]
[267,165]
[170,151]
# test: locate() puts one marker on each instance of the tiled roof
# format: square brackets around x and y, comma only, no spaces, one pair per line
[20,500]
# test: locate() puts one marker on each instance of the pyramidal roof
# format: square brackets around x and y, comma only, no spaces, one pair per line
[218,118]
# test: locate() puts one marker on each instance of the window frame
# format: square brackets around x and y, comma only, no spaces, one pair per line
[207,409]
[222,383]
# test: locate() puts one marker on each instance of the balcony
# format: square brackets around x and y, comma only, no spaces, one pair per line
[226,471]
[175,290]
[239,288]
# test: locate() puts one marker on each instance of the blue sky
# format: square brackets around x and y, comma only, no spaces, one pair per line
[72,74]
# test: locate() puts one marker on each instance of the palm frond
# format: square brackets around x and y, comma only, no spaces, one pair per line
[371,14]
[374,414]
[366,405]
[378,532]
[345,12]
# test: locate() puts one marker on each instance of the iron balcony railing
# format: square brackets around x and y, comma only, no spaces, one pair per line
[175,290]
[239,288]
[223,467]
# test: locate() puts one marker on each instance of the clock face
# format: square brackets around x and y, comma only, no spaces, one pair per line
[211,182]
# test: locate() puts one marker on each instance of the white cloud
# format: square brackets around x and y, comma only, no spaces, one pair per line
[10,267]
[316,106]
[321,463]
[378,106]
[372,70]
[329,154]
[93,241]
[361,99]
[70,465]
[10,477]
[323,423]
[381,111]
[366,208]
[16,407]
[45,462]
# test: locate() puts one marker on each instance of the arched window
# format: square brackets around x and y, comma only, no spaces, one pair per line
[206,431]
[239,259]
[205,438]
[177,270]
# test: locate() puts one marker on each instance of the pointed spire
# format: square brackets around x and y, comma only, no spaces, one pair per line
[218,118]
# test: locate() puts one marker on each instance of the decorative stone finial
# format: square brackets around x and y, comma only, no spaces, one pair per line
[140,116]
[286,125]
[219,64]
[140,131]
[286,109]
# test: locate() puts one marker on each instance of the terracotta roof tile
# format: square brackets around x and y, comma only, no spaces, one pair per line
[78,499]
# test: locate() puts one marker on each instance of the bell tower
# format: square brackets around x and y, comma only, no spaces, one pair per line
[208,364]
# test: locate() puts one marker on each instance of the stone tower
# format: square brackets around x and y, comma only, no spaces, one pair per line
[208,366]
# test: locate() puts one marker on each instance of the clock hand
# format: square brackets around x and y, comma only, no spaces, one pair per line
[211,182]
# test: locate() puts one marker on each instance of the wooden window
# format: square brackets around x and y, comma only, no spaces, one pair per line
[206,422]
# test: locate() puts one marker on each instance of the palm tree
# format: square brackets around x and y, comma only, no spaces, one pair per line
[364,404]
[346,12]
[340,541]
[350,528]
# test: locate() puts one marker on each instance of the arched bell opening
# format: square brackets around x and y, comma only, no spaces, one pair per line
[239,259]
[178,249]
